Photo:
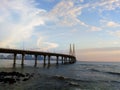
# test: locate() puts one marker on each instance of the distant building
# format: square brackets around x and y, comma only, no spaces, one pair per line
[28,57]
[9,57]
[40,57]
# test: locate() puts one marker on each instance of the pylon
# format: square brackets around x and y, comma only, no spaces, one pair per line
[70,51]
[73,53]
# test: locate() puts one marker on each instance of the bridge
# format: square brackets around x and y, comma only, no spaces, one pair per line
[64,58]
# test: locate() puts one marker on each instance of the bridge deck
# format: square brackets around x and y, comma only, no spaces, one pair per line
[18,51]
[65,58]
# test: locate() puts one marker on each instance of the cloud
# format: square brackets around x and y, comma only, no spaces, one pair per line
[81,0]
[106,23]
[18,20]
[114,33]
[109,43]
[44,45]
[106,4]
[65,13]
[93,28]
[112,24]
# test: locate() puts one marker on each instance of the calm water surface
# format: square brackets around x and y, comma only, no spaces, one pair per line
[78,76]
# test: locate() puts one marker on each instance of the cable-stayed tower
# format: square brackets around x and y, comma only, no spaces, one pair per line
[73,52]
[70,51]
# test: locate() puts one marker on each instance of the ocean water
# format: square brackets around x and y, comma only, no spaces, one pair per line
[77,76]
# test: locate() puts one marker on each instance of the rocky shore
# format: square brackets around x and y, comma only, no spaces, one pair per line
[13,77]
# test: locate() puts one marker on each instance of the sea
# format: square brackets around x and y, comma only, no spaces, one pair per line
[81,75]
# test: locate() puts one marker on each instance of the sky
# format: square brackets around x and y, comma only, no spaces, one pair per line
[51,25]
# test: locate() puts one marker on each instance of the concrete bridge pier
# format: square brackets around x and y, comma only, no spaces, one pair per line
[35,65]
[57,59]
[44,63]
[23,58]
[69,59]
[62,60]
[65,60]
[14,62]
[73,60]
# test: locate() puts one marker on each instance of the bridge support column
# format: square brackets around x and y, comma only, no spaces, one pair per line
[48,59]
[23,57]
[14,62]
[57,60]
[65,60]
[69,59]
[72,60]
[62,60]
[44,60]
[35,61]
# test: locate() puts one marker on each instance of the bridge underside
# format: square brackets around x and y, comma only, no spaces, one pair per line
[64,58]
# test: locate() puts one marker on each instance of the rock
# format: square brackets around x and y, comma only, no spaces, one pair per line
[9,80]
[25,79]
[13,77]
[59,77]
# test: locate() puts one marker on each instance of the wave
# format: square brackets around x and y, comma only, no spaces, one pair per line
[95,70]
[110,72]
[114,73]
[77,82]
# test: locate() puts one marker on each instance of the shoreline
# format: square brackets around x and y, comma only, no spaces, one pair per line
[33,81]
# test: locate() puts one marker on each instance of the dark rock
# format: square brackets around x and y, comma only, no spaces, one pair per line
[25,79]
[12,77]
[9,80]
[17,79]
[59,77]
[27,74]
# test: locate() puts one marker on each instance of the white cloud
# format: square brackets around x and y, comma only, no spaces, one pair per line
[93,28]
[106,23]
[44,45]
[112,24]
[110,43]
[81,0]
[114,33]
[106,4]
[65,13]
[18,20]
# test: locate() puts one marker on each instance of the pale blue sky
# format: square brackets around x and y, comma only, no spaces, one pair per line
[51,25]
